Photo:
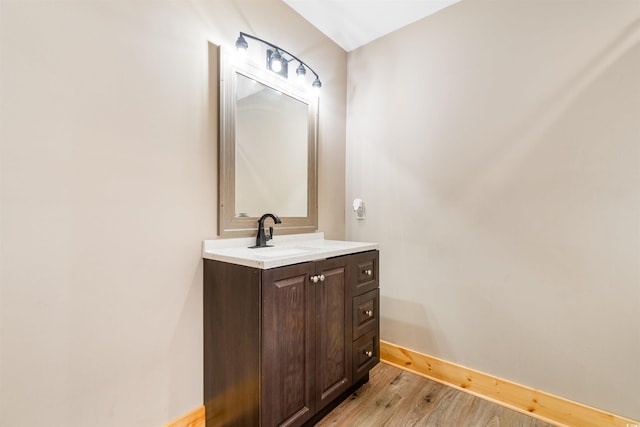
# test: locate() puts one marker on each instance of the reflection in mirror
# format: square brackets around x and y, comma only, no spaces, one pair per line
[267,151]
[270,127]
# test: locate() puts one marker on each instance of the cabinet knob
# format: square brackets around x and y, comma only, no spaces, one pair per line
[368,353]
[368,272]
[322,277]
[368,313]
[314,279]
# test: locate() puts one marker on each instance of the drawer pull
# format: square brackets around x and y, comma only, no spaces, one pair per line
[368,353]
[368,313]
[367,272]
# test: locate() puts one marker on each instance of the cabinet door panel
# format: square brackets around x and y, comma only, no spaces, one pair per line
[333,323]
[287,374]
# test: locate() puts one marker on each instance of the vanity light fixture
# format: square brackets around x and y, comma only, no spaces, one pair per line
[278,60]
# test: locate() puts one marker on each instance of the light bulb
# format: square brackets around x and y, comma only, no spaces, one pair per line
[276,62]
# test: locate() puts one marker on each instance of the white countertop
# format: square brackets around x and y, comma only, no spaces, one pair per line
[285,250]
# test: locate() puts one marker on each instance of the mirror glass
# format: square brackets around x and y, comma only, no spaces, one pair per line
[271,151]
[267,150]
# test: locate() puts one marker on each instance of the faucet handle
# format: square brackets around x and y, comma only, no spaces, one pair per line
[270,235]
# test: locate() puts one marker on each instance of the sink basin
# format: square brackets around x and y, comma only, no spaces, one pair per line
[321,244]
[273,252]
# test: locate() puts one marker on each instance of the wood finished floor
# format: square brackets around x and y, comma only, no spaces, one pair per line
[394,397]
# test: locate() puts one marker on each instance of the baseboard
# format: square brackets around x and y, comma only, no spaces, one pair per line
[194,418]
[544,406]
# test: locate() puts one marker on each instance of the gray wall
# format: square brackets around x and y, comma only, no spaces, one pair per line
[108,186]
[496,145]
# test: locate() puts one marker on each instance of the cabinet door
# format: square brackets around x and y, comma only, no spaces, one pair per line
[288,364]
[333,330]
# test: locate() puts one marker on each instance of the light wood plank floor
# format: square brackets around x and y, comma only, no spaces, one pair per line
[394,397]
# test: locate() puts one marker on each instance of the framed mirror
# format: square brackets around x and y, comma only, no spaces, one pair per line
[267,150]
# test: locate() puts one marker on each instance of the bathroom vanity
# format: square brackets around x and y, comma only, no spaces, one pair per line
[289,330]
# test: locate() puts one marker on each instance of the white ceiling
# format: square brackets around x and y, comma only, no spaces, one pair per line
[353,23]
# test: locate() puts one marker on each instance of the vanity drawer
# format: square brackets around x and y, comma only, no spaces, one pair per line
[365,265]
[366,308]
[366,354]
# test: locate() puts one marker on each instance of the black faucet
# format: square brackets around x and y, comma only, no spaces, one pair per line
[261,238]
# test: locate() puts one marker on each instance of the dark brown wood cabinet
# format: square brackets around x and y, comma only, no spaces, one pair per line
[282,345]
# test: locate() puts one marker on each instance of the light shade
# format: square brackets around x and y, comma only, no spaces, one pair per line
[301,71]
[241,43]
